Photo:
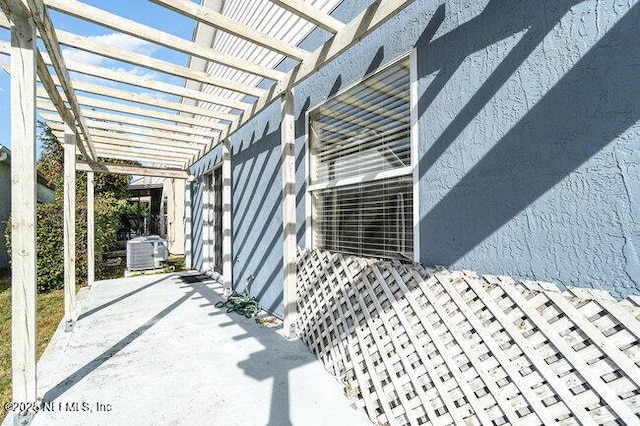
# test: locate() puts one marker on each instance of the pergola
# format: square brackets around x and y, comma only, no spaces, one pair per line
[101,129]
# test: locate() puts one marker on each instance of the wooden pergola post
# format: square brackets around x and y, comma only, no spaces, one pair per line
[91,261]
[289,255]
[227,262]
[69,211]
[188,256]
[23,209]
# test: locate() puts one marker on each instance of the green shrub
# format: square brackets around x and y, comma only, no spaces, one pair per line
[110,205]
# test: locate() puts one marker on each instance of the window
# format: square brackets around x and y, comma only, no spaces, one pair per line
[360,168]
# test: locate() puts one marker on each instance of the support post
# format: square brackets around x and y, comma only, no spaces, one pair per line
[23,211]
[289,255]
[91,247]
[188,256]
[69,209]
[227,262]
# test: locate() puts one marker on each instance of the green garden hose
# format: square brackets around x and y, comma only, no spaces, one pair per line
[242,303]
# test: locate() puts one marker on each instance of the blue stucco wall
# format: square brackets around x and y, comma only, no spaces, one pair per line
[529,142]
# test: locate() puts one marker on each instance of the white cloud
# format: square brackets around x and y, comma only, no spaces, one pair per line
[138,72]
[122,41]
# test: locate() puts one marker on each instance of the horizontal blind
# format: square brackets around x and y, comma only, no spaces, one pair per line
[372,218]
[360,134]
[365,129]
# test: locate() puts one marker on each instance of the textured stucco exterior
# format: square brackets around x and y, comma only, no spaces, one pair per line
[528,142]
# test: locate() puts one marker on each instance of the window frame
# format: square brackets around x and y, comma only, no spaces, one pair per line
[413,169]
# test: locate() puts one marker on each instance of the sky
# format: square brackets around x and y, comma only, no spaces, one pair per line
[142,11]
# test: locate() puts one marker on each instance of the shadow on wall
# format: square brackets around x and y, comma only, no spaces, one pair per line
[257,218]
[590,106]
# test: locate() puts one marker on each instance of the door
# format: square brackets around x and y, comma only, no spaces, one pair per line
[212,217]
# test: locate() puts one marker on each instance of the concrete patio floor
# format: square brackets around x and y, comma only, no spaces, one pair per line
[154,350]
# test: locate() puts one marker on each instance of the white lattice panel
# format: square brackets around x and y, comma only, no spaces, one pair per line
[414,346]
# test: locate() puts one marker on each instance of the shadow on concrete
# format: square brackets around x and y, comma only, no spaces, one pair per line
[274,362]
[118,299]
[91,366]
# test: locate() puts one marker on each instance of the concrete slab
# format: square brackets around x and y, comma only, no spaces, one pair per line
[153,350]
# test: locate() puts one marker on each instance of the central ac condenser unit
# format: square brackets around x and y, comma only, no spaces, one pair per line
[146,253]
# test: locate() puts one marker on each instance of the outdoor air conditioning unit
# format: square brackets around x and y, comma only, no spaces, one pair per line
[146,253]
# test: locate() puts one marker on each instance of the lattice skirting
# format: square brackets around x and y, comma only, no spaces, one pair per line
[415,346]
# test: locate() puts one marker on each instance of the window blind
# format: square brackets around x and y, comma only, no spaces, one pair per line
[364,130]
[363,134]
[373,218]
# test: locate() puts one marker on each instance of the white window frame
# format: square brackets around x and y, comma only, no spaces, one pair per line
[410,170]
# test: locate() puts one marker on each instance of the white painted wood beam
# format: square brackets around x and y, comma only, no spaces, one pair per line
[141,154]
[127,169]
[95,47]
[47,34]
[135,29]
[143,112]
[128,139]
[48,84]
[144,99]
[135,155]
[311,14]
[224,23]
[118,119]
[142,158]
[23,208]
[289,250]
[69,214]
[134,80]
[227,245]
[363,24]
[188,229]
[91,228]
[180,138]
[107,144]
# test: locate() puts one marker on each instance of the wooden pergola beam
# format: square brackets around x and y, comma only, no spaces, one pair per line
[118,119]
[48,36]
[106,144]
[227,219]
[143,112]
[144,99]
[104,148]
[91,228]
[89,45]
[311,14]
[174,163]
[135,29]
[363,24]
[127,169]
[228,25]
[47,82]
[69,214]
[289,250]
[124,139]
[167,138]
[134,80]
[23,195]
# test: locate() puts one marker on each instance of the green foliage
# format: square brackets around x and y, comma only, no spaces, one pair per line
[110,207]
